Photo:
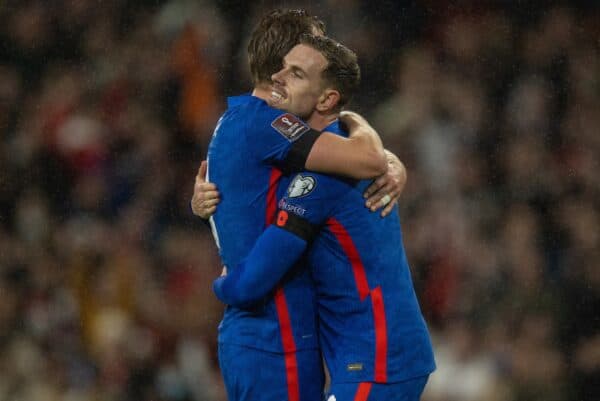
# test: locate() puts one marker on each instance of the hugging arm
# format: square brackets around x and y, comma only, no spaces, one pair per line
[274,253]
[359,156]
[391,183]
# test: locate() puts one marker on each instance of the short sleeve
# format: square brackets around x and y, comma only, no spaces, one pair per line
[281,138]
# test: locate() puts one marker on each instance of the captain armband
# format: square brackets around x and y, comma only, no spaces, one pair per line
[296,158]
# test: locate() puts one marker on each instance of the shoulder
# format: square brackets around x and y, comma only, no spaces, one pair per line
[313,196]
[286,124]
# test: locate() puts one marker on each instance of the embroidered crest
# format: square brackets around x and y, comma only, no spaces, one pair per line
[301,186]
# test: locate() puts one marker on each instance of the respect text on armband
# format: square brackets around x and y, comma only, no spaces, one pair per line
[297,210]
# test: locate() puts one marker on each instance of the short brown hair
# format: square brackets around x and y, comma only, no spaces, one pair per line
[342,71]
[275,35]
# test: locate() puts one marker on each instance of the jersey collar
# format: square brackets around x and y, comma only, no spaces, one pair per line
[336,128]
[233,101]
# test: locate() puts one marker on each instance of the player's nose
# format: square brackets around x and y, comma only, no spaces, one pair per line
[278,77]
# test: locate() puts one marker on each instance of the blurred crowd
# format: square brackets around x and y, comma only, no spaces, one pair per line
[106,110]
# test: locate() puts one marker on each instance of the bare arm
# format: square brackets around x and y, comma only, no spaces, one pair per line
[391,183]
[359,156]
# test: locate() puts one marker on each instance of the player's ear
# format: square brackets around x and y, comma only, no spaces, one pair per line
[328,100]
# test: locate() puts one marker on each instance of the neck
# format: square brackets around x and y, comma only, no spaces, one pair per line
[262,91]
[319,121]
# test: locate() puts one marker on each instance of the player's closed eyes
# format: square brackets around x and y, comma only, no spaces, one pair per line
[296,71]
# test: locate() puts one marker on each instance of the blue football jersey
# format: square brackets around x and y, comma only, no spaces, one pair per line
[251,146]
[370,324]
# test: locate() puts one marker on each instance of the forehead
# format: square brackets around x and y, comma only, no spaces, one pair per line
[306,58]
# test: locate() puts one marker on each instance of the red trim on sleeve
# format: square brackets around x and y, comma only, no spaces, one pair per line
[380,336]
[362,394]
[272,196]
[360,276]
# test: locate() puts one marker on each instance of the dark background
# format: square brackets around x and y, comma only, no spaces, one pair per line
[106,109]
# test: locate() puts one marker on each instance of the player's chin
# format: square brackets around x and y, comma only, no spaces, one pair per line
[278,104]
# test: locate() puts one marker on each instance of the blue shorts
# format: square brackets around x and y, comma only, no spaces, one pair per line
[255,375]
[409,390]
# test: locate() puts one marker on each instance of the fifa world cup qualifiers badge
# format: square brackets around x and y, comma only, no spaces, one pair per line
[290,126]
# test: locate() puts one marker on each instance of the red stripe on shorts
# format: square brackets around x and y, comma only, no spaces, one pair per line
[362,394]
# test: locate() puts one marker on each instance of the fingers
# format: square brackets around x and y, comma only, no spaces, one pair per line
[204,195]
[205,213]
[377,190]
[385,191]
[201,181]
[352,119]
[385,199]
[375,186]
[204,203]
[208,203]
[202,170]
[201,188]
[349,114]
[201,178]
[344,114]
[388,208]
[381,198]
[204,210]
